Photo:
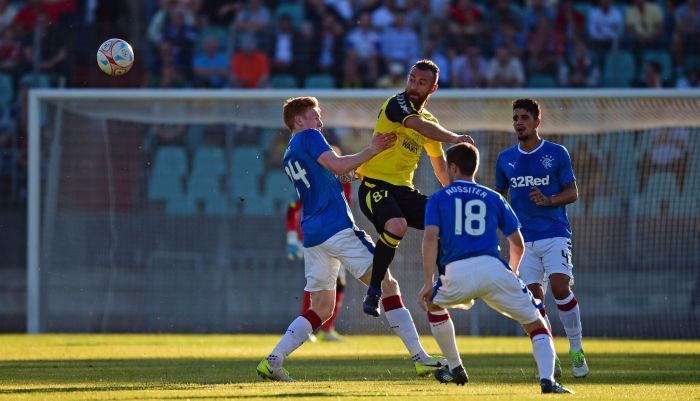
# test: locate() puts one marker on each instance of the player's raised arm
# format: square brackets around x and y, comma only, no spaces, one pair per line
[343,164]
[440,169]
[435,131]
[430,252]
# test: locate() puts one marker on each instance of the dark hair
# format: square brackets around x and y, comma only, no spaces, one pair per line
[529,105]
[297,106]
[465,156]
[428,65]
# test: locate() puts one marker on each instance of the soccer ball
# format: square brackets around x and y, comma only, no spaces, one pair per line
[115,57]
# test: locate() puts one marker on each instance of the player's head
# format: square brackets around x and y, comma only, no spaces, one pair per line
[526,118]
[462,161]
[421,82]
[302,113]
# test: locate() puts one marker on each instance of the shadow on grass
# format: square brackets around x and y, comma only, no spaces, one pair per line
[195,373]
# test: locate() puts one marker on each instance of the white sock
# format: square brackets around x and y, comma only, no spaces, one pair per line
[543,350]
[401,323]
[297,332]
[444,333]
[571,319]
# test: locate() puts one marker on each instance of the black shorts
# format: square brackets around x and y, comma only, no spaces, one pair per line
[381,201]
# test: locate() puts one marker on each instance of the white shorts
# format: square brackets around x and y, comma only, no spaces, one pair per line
[350,247]
[545,257]
[488,278]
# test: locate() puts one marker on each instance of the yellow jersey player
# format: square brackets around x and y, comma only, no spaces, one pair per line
[386,195]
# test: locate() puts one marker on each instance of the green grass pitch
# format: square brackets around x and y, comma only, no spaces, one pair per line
[221,367]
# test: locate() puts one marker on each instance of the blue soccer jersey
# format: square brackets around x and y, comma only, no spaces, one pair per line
[468,215]
[548,167]
[324,208]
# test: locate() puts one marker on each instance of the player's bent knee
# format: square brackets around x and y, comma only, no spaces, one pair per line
[538,324]
[396,226]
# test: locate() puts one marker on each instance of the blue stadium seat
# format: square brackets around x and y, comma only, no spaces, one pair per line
[35,80]
[619,70]
[7,91]
[279,190]
[221,35]
[202,187]
[663,58]
[164,187]
[170,160]
[541,81]
[606,206]
[319,81]
[283,81]
[295,10]
[217,206]
[247,160]
[181,206]
[659,187]
[209,161]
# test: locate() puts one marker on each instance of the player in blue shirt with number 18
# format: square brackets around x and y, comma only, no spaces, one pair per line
[466,216]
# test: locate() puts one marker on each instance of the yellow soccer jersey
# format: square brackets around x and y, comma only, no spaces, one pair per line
[397,164]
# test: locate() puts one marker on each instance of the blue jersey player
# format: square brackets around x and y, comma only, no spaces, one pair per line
[465,216]
[539,177]
[331,238]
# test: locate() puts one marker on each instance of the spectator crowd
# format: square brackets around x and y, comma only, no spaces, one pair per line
[343,44]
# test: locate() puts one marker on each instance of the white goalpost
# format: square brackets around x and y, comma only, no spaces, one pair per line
[130,229]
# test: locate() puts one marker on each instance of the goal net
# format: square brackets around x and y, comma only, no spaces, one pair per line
[163,211]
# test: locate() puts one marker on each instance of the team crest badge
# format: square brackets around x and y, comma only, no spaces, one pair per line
[547,161]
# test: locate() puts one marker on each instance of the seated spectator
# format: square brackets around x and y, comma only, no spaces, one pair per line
[579,70]
[170,75]
[569,23]
[395,78]
[545,47]
[465,20]
[690,80]
[7,14]
[605,27]
[383,16]
[668,153]
[502,12]
[687,33]
[505,70]
[399,42]
[10,52]
[645,25]
[53,57]
[469,68]
[27,16]
[211,67]
[181,35]
[652,76]
[222,12]
[534,11]
[327,47]
[352,79]
[362,48]
[255,19]
[283,46]
[509,36]
[432,51]
[250,65]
